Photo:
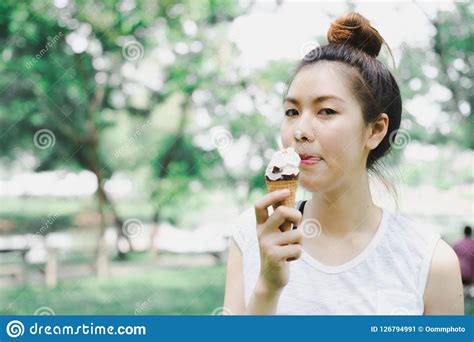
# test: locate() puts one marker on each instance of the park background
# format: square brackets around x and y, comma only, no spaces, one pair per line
[133,133]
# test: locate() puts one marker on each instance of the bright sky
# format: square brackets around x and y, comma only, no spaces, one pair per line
[292,28]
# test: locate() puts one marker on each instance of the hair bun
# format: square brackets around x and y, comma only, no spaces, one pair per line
[355,30]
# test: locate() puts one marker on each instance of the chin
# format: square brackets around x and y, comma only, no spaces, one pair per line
[311,184]
[318,183]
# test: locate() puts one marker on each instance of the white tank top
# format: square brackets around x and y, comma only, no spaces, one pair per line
[387,278]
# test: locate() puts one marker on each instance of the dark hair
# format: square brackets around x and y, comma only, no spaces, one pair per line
[467,231]
[355,44]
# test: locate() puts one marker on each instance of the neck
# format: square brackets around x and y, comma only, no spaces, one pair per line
[343,210]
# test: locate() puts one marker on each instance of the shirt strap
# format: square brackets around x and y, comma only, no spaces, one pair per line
[300,207]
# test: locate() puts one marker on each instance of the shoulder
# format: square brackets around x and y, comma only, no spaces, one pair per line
[444,290]
[445,262]
[444,257]
[243,228]
[417,237]
[247,220]
[416,243]
[409,224]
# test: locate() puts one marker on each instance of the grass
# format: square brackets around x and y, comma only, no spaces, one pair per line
[184,291]
[469,306]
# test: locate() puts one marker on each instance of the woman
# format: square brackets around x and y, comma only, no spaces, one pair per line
[342,112]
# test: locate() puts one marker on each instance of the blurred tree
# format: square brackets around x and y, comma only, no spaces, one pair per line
[454,47]
[57,61]
[444,72]
[71,68]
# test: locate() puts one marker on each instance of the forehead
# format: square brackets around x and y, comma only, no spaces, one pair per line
[322,78]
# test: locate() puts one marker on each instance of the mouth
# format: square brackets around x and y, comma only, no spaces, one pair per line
[308,159]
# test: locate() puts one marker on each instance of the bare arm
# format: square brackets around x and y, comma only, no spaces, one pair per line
[234,301]
[444,290]
[262,301]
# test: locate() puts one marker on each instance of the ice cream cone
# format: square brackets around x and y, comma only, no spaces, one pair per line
[290,184]
[282,173]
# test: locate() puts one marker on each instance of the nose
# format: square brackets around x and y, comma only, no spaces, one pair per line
[304,131]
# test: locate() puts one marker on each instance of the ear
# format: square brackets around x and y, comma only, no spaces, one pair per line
[377,131]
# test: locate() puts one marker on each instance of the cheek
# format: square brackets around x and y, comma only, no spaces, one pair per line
[339,143]
[343,145]
[286,135]
[321,178]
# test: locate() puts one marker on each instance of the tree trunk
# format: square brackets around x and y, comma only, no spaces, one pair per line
[154,233]
[91,161]
[165,160]
[121,254]
[102,253]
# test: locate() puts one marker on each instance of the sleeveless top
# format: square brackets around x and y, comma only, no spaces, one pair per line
[387,278]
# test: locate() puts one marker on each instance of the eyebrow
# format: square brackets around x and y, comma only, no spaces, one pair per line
[317,99]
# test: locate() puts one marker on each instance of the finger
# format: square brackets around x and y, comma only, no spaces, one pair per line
[282,214]
[289,252]
[287,225]
[261,212]
[288,237]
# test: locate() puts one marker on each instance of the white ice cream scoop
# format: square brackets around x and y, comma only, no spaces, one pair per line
[283,165]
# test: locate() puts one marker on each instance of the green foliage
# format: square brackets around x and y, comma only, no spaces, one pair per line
[33,224]
[162,292]
[448,66]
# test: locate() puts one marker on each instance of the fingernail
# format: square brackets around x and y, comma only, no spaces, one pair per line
[285,191]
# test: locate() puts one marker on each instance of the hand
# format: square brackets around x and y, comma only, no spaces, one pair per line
[276,247]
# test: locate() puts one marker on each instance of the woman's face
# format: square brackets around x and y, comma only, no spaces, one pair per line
[324,119]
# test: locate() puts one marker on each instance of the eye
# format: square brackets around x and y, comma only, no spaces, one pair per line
[329,111]
[291,112]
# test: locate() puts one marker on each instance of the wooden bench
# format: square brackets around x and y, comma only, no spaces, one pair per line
[18,272]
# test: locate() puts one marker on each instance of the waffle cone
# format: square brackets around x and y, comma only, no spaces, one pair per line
[281,185]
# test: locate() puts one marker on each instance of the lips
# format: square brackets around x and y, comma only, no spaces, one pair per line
[310,157]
